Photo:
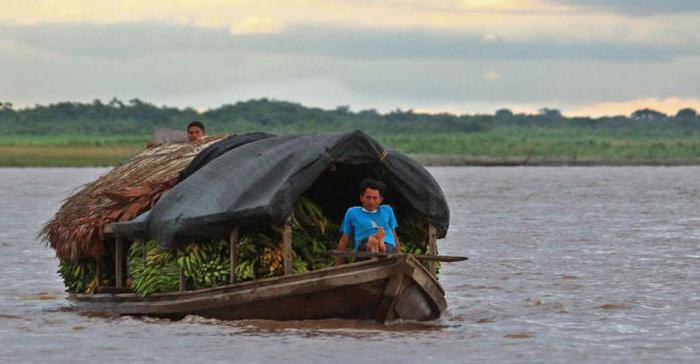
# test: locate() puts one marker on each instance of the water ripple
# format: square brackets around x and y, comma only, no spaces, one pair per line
[594,264]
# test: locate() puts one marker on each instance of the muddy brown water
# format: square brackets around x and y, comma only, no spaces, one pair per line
[584,264]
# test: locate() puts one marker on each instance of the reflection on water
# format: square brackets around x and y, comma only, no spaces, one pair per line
[583,264]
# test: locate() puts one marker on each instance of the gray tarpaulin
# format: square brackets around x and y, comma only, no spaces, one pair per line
[259,182]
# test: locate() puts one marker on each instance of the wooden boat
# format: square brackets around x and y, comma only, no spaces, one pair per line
[257,181]
[384,289]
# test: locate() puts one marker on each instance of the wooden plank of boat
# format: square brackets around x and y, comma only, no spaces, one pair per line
[359,254]
[397,287]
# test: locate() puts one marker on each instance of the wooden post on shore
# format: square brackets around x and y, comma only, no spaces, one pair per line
[118,275]
[287,248]
[233,254]
[432,247]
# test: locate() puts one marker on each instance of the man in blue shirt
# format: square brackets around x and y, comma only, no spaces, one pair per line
[372,225]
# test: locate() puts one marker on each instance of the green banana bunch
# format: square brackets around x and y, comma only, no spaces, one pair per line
[245,271]
[77,277]
[271,260]
[409,247]
[309,218]
[299,266]
[259,254]
[205,265]
[152,269]
[413,228]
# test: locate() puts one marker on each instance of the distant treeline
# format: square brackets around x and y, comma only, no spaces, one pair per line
[137,117]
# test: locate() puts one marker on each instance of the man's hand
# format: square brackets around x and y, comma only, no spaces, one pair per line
[381,234]
[341,246]
[396,239]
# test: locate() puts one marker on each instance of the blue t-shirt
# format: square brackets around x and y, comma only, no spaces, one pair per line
[362,224]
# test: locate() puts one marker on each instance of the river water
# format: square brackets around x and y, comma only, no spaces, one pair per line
[583,264]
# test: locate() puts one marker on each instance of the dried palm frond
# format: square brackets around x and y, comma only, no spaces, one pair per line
[129,189]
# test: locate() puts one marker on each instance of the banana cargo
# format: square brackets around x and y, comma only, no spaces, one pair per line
[245,227]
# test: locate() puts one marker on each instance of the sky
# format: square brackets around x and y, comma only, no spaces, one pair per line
[584,57]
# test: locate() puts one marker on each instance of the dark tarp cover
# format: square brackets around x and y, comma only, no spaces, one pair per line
[217,149]
[258,182]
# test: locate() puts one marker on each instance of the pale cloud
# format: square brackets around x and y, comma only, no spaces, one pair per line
[489,37]
[227,12]
[492,75]
[256,25]
[637,7]
[330,66]
[510,20]
[668,106]
[476,107]
[461,56]
[131,39]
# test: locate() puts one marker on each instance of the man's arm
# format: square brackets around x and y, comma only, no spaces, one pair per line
[396,239]
[342,245]
[393,224]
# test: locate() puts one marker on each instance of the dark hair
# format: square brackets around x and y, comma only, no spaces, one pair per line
[372,184]
[196,123]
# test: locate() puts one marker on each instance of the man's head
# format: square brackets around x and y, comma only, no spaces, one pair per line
[371,194]
[195,131]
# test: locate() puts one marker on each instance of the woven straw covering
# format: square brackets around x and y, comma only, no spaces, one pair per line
[129,189]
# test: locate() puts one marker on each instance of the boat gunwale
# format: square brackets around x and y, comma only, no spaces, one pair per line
[183,303]
[393,260]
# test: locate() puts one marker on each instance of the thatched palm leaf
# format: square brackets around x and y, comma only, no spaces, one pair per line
[76,231]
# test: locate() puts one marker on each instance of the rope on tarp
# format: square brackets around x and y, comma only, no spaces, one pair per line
[331,162]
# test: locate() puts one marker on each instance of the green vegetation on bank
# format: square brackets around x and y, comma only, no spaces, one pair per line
[72,140]
[81,134]
[551,144]
[75,155]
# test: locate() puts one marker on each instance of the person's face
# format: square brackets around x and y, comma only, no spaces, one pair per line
[371,199]
[194,133]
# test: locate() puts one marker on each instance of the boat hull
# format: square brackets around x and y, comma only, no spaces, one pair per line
[398,287]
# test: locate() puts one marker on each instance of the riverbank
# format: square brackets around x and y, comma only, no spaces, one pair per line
[435,160]
[77,155]
[82,155]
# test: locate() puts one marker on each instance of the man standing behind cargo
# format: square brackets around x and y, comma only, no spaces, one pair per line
[368,224]
[195,131]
